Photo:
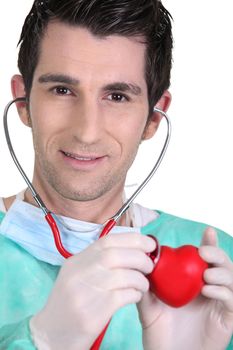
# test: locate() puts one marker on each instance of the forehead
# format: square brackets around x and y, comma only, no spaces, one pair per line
[73,49]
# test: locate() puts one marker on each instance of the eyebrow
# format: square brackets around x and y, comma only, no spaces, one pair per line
[66,79]
[124,87]
[58,78]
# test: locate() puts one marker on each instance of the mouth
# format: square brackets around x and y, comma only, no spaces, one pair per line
[82,161]
[79,157]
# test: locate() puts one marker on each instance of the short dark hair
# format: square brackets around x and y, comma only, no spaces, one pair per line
[147,19]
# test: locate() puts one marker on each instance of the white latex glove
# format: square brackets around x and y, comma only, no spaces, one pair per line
[204,324]
[90,288]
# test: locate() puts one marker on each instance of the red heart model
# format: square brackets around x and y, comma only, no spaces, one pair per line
[178,275]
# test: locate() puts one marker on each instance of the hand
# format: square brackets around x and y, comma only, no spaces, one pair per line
[204,324]
[90,288]
[219,291]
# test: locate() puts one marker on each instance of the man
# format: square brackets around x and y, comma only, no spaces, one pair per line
[92,72]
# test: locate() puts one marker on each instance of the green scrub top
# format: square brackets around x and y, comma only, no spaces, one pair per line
[26,283]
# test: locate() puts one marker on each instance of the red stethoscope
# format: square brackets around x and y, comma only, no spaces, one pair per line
[110,222]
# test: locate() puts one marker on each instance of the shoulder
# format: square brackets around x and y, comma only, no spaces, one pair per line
[176,231]
[169,223]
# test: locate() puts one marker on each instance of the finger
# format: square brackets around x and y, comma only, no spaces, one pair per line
[114,258]
[219,276]
[127,279]
[222,294]
[215,256]
[123,297]
[127,240]
[210,237]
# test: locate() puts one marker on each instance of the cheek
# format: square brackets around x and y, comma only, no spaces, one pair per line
[128,134]
[46,120]
[42,132]
[131,127]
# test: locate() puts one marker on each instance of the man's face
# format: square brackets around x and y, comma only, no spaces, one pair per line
[88,109]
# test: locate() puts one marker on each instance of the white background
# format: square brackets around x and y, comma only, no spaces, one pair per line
[195,179]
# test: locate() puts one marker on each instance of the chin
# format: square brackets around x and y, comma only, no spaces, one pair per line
[80,195]
[84,190]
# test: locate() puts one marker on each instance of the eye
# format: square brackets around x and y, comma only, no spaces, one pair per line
[117,97]
[62,90]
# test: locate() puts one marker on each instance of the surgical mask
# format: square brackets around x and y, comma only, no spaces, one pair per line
[25,225]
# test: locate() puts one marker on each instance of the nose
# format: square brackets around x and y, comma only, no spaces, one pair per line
[88,122]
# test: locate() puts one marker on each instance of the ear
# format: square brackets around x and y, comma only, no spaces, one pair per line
[18,90]
[155,119]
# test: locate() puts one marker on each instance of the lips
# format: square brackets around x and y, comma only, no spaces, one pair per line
[80,157]
[82,161]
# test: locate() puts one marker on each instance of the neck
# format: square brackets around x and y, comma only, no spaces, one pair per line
[96,211]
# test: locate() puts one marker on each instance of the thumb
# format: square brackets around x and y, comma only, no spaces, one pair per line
[210,237]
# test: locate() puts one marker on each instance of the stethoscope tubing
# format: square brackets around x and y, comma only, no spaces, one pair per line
[48,215]
[111,222]
[36,196]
